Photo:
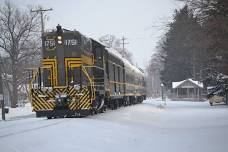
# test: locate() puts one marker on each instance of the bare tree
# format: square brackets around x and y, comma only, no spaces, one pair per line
[111,41]
[153,70]
[18,44]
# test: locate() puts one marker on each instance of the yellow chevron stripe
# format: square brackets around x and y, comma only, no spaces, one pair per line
[51,64]
[86,101]
[73,91]
[44,104]
[84,96]
[50,94]
[75,105]
[58,91]
[52,104]
[79,101]
[77,92]
[39,105]
[87,106]
[48,104]
[35,106]
[71,88]
[71,105]
[65,90]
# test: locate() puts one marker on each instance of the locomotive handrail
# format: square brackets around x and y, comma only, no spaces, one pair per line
[88,66]
[91,83]
[31,83]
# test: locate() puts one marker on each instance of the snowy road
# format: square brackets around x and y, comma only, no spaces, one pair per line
[147,127]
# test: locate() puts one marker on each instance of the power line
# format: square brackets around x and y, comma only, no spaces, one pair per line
[41,11]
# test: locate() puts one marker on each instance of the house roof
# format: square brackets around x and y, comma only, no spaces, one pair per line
[177,84]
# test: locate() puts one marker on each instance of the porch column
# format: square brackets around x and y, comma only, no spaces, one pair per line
[177,93]
[187,92]
[198,94]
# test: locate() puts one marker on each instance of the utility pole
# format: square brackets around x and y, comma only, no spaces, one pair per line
[123,43]
[1,93]
[41,11]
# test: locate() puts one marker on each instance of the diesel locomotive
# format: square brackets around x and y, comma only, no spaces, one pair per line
[80,76]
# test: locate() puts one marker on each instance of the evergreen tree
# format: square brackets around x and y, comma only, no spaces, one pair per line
[183,47]
[213,15]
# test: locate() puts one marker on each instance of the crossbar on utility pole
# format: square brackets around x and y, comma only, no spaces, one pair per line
[41,11]
[123,43]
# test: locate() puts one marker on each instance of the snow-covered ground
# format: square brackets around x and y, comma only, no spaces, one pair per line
[20,112]
[150,126]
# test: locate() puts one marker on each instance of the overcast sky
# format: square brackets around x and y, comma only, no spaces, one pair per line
[134,19]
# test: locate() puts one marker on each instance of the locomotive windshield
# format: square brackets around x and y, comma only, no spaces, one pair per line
[60,47]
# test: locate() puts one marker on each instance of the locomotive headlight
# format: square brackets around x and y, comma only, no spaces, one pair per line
[59,39]
[50,89]
[77,87]
[63,95]
[60,42]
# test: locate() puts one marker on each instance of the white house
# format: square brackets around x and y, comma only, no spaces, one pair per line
[187,90]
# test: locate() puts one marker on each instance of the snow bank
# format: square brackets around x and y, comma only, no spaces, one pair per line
[19,112]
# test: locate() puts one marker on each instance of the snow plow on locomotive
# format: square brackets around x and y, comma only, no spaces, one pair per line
[79,76]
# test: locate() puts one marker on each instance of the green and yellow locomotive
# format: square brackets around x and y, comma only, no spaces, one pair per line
[79,76]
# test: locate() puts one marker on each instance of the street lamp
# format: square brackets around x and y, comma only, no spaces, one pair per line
[162,86]
[162,90]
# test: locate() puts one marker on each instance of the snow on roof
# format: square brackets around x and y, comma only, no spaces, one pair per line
[176,84]
[98,41]
[126,62]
